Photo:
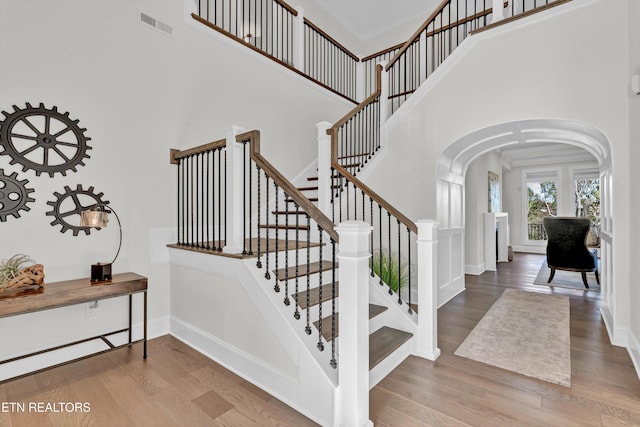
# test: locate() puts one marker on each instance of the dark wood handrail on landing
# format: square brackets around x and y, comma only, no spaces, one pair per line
[520,16]
[253,138]
[176,155]
[333,132]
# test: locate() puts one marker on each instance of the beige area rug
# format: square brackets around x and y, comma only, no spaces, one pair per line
[565,279]
[524,332]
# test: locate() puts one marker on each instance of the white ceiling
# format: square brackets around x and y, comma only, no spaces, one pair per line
[535,154]
[367,19]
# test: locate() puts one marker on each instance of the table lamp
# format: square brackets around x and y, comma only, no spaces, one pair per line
[97,216]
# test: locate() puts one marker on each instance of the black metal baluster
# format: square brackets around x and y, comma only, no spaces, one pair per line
[320,344]
[207,199]
[259,262]
[380,247]
[244,196]
[286,253]
[389,254]
[250,208]
[296,314]
[267,275]
[219,198]
[307,328]
[180,202]
[409,269]
[399,264]
[333,363]
[277,248]
[191,222]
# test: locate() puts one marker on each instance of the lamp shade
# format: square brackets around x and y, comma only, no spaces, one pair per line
[94,218]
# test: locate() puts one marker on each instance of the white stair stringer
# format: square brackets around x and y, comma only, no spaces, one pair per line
[312,389]
[396,316]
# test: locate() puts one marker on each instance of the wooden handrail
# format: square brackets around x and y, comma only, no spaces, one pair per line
[253,138]
[428,22]
[286,6]
[382,52]
[333,132]
[519,16]
[266,55]
[419,31]
[331,39]
[176,155]
[370,99]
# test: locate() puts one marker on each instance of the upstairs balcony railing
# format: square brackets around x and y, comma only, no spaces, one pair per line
[280,32]
[449,24]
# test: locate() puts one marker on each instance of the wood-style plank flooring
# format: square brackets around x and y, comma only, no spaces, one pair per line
[178,386]
[456,391]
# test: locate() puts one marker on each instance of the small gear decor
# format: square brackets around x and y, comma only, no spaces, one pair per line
[67,207]
[14,195]
[43,140]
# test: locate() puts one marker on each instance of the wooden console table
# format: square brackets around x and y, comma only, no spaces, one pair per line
[71,292]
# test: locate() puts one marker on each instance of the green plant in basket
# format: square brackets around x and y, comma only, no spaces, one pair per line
[393,271]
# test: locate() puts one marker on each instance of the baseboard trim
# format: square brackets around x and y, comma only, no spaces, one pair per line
[474,270]
[269,379]
[634,352]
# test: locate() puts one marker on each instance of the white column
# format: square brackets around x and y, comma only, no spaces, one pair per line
[298,39]
[498,11]
[427,261]
[384,95]
[234,242]
[324,168]
[353,309]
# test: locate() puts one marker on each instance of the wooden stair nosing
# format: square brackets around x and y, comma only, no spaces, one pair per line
[374,310]
[288,212]
[308,188]
[285,227]
[313,268]
[314,296]
[383,342]
[311,199]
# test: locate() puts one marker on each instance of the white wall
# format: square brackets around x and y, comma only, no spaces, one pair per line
[634,137]
[476,204]
[549,66]
[138,92]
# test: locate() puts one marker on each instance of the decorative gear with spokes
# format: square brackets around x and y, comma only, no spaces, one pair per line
[43,140]
[70,204]
[14,195]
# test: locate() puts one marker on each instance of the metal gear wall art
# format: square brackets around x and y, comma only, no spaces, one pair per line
[67,207]
[14,195]
[43,140]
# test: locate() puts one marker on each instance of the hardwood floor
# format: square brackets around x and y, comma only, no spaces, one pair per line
[454,391]
[178,386]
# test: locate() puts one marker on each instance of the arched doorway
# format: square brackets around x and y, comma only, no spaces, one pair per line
[452,167]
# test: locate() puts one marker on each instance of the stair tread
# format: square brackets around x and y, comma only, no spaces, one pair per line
[383,342]
[285,227]
[311,199]
[374,310]
[288,212]
[313,268]
[314,296]
[312,188]
[312,178]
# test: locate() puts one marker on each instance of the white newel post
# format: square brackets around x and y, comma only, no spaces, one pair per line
[353,309]
[498,10]
[298,40]
[234,239]
[360,95]
[324,168]
[427,261]
[384,96]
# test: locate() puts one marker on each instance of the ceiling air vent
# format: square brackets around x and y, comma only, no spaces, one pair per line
[153,22]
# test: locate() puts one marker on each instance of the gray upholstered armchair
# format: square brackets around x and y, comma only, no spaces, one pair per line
[566,247]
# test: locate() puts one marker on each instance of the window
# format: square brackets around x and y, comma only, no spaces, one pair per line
[541,201]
